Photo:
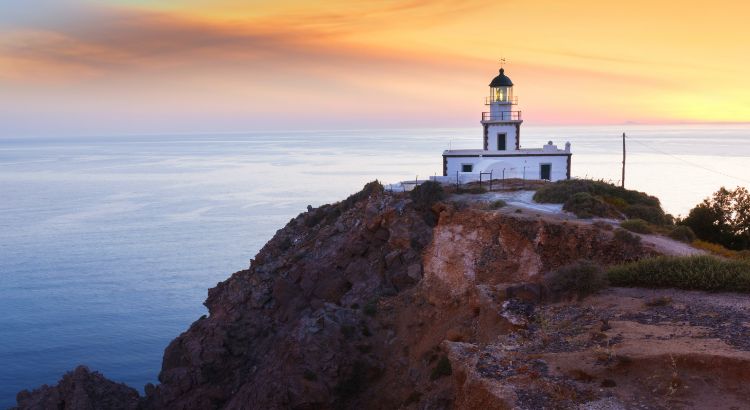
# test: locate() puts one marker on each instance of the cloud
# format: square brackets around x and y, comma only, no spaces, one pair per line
[111,39]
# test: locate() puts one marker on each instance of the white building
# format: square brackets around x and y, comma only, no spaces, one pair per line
[502,154]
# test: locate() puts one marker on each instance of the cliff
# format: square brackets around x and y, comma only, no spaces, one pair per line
[378,302]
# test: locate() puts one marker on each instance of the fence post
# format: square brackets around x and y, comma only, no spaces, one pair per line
[491,180]
[457,183]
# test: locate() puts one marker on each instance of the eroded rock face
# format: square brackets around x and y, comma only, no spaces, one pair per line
[372,303]
[80,389]
[347,306]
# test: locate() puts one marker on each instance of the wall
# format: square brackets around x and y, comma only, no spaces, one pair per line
[508,128]
[514,166]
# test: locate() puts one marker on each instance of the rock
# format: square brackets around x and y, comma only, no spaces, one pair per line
[80,389]
[353,305]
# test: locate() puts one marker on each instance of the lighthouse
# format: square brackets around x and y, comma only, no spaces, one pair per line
[501,124]
[502,154]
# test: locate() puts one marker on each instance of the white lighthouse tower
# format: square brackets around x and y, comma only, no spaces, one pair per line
[502,155]
[502,124]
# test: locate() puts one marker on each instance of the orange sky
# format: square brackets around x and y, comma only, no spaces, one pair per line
[130,66]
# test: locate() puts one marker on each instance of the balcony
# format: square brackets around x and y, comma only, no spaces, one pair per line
[502,116]
[510,100]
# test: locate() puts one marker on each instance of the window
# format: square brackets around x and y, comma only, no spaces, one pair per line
[501,142]
[467,167]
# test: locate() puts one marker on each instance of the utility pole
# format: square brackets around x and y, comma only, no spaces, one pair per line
[623,160]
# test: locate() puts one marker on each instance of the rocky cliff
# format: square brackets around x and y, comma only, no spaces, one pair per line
[377,302]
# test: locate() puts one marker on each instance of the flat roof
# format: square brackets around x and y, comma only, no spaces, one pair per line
[495,153]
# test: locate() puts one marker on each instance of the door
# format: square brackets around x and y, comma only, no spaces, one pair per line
[501,142]
[545,171]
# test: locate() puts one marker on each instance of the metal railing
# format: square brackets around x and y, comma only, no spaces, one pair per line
[502,116]
[490,100]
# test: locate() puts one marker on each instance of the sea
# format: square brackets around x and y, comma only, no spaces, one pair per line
[109,244]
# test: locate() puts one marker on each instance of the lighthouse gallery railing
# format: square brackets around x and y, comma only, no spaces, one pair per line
[502,116]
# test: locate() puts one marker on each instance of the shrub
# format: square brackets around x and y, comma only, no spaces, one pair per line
[370,188]
[723,218]
[581,279]
[651,214]
[498,204]
[603,225]
[561,191]
[686,272]
[612,199]
[636,225]
[426,194]
[583,205]
[442,368]
[626,238]
[682,233]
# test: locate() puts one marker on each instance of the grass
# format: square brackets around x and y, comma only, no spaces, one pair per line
[637,226]
[719,250]
[684,272]
[581,279]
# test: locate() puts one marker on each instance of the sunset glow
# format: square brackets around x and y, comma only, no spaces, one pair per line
[129,66]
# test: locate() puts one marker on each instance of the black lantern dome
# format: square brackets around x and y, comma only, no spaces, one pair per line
[501,80]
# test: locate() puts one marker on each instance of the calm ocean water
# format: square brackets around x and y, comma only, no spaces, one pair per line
[108,245]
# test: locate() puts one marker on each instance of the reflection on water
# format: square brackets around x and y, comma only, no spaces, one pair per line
[109,244]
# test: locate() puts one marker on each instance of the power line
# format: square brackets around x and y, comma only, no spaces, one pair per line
[690,162]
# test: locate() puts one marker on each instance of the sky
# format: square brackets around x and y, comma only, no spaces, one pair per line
[77,67]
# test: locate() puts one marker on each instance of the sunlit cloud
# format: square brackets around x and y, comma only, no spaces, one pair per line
[140,66]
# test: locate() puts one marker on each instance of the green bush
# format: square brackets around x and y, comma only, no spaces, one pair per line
[611,200]
[561,191]
[581,279]
[724,219]
[651,214]
[626,238]
[426,194]
[636,225]
[686,272]
[584,205]
[682,233]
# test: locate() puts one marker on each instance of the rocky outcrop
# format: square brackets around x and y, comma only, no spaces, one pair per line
[376,303]
[81,389]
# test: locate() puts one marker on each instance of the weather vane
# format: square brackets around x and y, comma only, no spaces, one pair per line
[502,62]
